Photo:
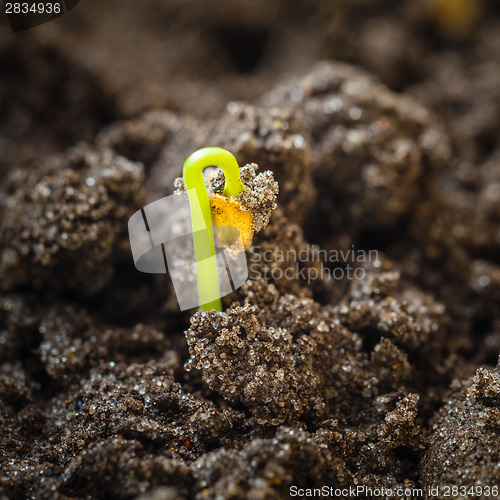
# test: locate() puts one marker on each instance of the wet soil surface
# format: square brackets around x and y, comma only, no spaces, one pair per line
[377,367]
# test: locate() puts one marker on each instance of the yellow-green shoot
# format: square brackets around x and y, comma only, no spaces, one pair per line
[201,217]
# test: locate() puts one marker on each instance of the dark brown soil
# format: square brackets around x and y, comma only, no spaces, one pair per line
[381,124]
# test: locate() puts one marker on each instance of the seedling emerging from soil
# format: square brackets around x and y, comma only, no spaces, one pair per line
[226,213]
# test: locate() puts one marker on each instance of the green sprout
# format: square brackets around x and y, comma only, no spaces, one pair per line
[201,216]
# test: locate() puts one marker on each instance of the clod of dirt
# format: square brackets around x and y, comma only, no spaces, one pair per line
[463,445]
[64,216]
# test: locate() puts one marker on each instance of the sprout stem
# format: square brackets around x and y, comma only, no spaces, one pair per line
[201,217]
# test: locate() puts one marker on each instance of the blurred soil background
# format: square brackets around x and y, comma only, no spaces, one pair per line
[381,123]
